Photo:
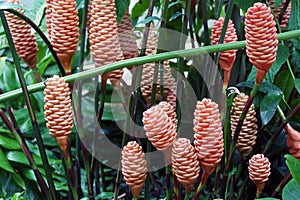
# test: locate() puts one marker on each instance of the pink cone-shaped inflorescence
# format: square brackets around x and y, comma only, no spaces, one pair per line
[286,15]
[185,163]
[147,79]
[103,35]
[63,26]
[208,138]
[159,128]
[58,110]
[247,135]
[259,171]
[227,57]
[293,141]
[169,109]
[24,41]
[127,37]
[261,39]
[134,167]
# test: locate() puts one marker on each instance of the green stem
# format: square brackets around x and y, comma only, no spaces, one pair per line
[42,35]
[187,195]
[70,173]
[281,184]
[29,106]
[219,9]
[142,60]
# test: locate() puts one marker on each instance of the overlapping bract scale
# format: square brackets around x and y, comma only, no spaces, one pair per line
[58,110]
[185,163]
[169,109]
[24,41]
[63,26]
[259,171]
[293,141]
[103,35]
[286,15]
[127,38]
[247,135]
[134,167]
[261,38]
[208,137]
[159,128]
[227,57]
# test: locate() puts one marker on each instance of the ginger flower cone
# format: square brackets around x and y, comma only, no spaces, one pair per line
[103,36]
[171,112]
[185,163]
[259,171]
[247,136]
[63,26]
[227,57]
[277,12]
[134,167]
[58,110]
[160,130]
[24,41]
[293,141]
[208,137]
[261,39]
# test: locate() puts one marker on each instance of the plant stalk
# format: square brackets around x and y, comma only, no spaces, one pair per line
[29,106]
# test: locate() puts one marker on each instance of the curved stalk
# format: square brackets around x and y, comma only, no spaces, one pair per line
[142,60]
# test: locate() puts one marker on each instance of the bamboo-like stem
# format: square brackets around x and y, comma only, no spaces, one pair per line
[29,106]
[142,60]
[187,195]
[281,184]
[21,140]
[42,35]
[70,172]
[201,185]
[176,187]
[219,9]
[205,25]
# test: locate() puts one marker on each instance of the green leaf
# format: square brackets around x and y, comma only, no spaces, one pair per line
[294,166]
[8,5]
[147,20]
[265,87]
[277,3]
[4,164]
[8,142]
[3,42]
[175,15]
[297,84]
[19,157]
[285,82]
[244,5]
[121,6]
[282,55]
[40,13]
[139,8]
[268,107]
[291,191]
[17,196]
[18,180]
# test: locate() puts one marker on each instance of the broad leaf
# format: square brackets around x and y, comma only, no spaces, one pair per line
[291,191]
[19,157]
[139,8]
[4,164]
[294,166]
[297,84]
[147,20]
[8,142]
[268,107]
[265,87]
[277,3]
[121,6]
[3,42]
[285,82]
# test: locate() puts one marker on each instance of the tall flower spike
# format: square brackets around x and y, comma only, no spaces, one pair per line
[259,171]
[261,39]
[208,138]
[185,163]
[286,15]
[58,110]
[134,167]
[127,38]
[169,109]
[103,35]
[24,40]
[62,23]
[227,57]
[248,131]
[160,130]
[293,141]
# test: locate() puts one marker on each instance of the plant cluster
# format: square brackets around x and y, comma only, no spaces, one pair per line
[107,102]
